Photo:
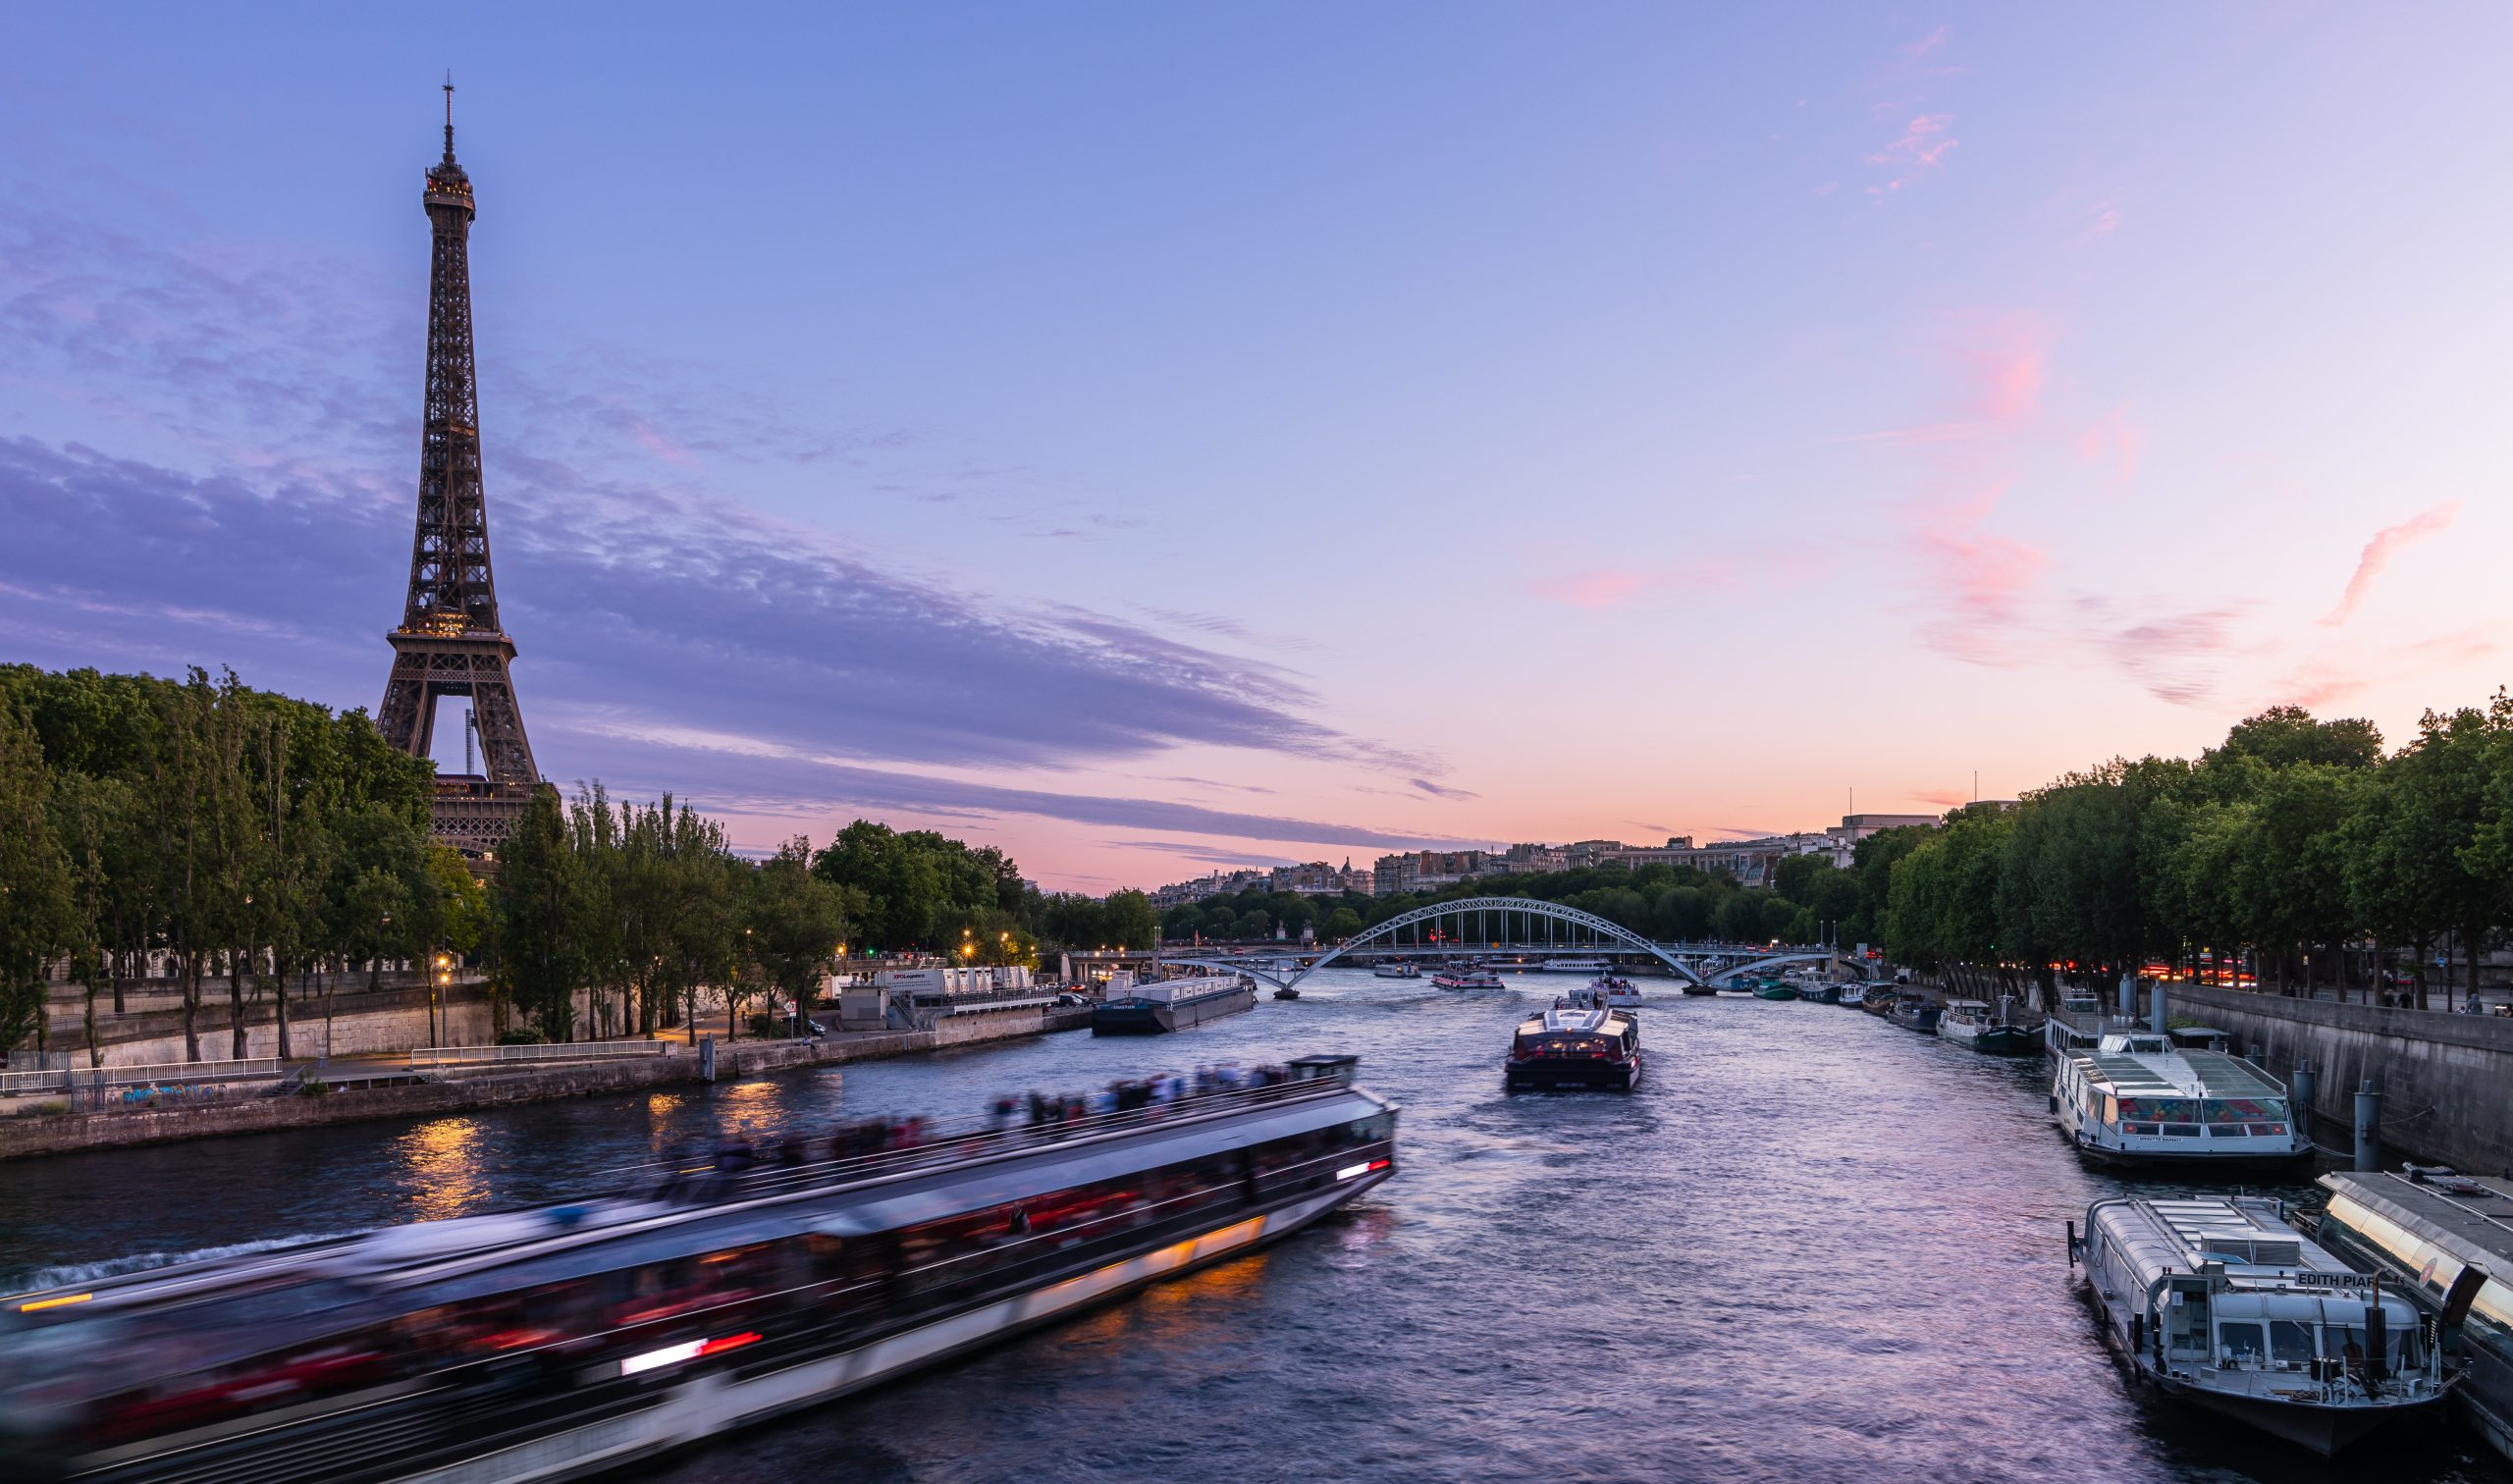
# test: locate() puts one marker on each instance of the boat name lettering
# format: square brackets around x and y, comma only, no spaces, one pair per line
[2334,1281]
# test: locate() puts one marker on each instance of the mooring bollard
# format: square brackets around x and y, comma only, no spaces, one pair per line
[705,1058]
[2368,1128]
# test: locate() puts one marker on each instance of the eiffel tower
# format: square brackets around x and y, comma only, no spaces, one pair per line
[450,642]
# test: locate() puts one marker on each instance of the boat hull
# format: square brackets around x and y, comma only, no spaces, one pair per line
[719,1402]
[1141,1018]
[1776,992]
[1567,1074]
[2323,1429]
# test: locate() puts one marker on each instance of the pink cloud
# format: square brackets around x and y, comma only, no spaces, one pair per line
[1943,798]
[1597,588]
[2167,652]
[1921,148]
[1913,51]
[2377,553]
[2010,359]
[1983,581]
[2116,441]
[2319,688]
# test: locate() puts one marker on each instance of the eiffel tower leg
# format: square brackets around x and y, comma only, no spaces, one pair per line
[505,755]
[409,714]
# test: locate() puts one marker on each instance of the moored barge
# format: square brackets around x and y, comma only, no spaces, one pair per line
[559,1342]
[2219,1301]
[2143,1098]
[1159,1006]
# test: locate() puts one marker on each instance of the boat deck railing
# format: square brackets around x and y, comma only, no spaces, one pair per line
[960,1141]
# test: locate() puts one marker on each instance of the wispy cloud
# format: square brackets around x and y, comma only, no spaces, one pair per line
[2379,552]
[1597,588]
[2171,655]
[1440,791]
[1913,51]
[1921,148]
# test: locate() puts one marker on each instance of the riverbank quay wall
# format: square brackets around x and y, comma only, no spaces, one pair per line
[361,1023]
[76,1132]
[2446,1080]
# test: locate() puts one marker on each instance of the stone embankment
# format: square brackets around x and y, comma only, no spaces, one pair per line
[71,1133]
[2442,1076]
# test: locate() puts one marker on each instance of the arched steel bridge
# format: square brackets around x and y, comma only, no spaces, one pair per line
[1406,937]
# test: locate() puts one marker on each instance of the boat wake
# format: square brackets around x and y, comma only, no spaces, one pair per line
[70,1273]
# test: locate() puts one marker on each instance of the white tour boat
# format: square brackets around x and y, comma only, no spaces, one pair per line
[2221,1301]
[2138,1097]
[1396,969]
[1589,966]
[1613,993]
[1463,977]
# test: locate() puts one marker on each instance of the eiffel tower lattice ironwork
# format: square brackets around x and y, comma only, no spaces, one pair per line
[451,642]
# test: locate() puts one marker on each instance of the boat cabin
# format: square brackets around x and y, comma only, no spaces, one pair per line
[2140,1096]
[2222,1299]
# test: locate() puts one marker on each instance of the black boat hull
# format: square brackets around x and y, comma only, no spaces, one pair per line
[1569,1075]
[1137,1019]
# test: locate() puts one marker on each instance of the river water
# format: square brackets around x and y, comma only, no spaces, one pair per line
[1812,1247]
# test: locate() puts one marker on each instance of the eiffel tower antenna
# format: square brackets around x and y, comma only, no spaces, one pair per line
[450,642]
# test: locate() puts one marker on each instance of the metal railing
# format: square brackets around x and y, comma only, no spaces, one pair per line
[552,1051]
[148,1074]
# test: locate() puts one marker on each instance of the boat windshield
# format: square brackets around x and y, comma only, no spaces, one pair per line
[2161,1109]
[2347,1341]
[2236,1114]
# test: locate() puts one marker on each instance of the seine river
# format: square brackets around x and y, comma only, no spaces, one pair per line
[1813,1246]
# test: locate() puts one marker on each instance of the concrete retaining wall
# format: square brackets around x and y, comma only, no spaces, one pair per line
[2446,1080]
[69,1132]
[392,1020]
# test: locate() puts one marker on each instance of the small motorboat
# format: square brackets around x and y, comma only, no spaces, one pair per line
[1774,989]
[1855,996]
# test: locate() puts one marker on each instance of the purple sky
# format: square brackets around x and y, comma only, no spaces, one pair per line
[1158,439]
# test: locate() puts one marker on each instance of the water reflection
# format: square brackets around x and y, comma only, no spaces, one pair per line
[441,1167]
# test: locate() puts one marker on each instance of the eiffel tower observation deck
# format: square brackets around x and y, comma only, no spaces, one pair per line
[451,642]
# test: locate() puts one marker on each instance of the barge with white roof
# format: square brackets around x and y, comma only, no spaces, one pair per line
[2139,1097]
[2441,1237]
[2221,1301]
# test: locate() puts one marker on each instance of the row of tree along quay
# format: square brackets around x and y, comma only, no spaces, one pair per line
[2299,852]
[256,842]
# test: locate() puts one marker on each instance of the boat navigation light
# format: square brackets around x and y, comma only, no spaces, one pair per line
[45,1303]
[1350,1171]
[694,1349]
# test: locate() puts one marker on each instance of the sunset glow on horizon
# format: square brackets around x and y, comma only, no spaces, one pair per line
[1160,441]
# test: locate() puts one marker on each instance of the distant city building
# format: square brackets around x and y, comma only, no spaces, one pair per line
[1426,870]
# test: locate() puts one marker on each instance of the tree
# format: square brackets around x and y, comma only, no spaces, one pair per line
[795,921]
[2285,735]
[38,923]
[1341,924]
[540,909]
